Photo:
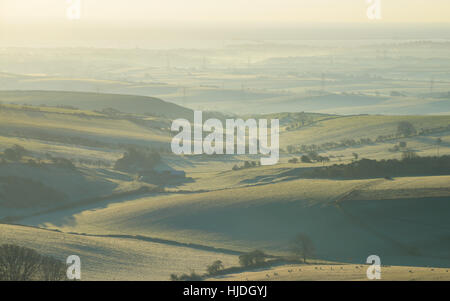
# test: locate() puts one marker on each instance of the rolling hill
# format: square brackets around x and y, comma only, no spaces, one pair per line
[97,101]
[268,216]
[102,258]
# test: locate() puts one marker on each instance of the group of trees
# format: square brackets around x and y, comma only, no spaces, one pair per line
[304,148]
[252,259]
[99,163]
[23,264]
[137,160]
[186,277]
[17,152]
[299,124]
[398,147]
[132,160]
[410,165]
[14,153]
[404,129]
[310,158]
[247,164]
[408,153]
[301,247]
[212,270]
[62,163]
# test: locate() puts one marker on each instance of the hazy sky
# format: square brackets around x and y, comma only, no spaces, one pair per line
[161,11]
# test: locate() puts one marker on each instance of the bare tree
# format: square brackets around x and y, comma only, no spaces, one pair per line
[302,246]
[18,263]
[438,143]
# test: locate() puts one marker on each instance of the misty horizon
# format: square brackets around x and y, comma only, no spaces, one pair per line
[85,34]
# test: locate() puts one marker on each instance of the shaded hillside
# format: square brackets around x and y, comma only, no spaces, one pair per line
[366,169]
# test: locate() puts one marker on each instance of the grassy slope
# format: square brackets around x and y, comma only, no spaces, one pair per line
[355,127]
[269,216]
[263,216]
[97,101]
[103,129]
[104,258]
[339,272]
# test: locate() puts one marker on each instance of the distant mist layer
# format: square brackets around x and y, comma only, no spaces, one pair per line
[76,34]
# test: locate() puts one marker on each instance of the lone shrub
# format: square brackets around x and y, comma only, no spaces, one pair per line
[215,267]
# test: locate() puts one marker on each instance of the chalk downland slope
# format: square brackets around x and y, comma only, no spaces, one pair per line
[337,128]
[403,231]
[104,258]
[79,128]
[97,101]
